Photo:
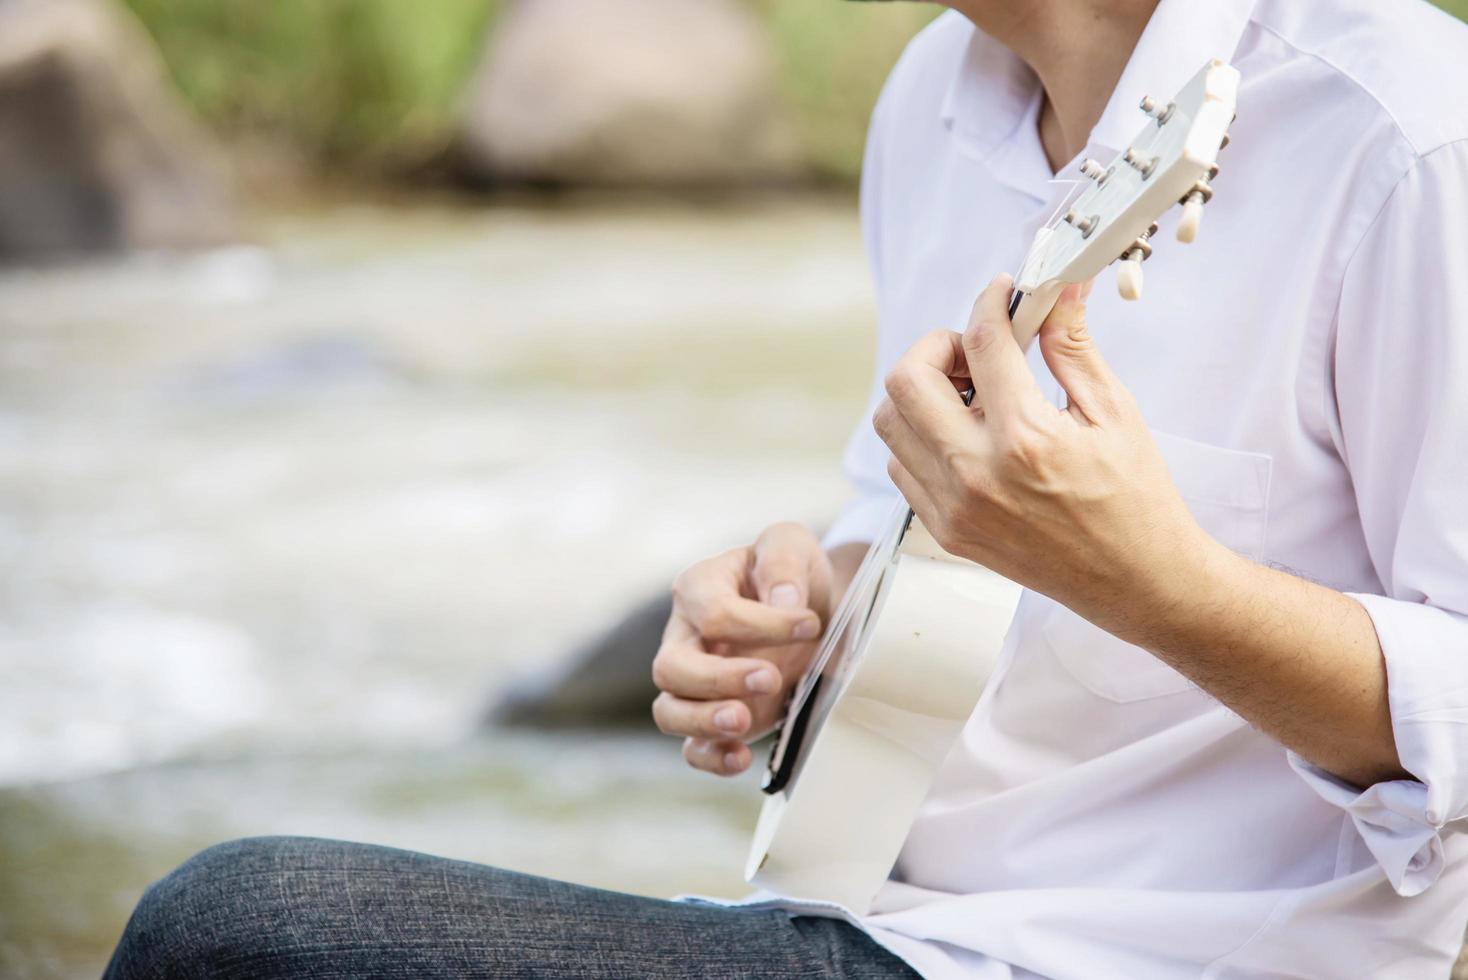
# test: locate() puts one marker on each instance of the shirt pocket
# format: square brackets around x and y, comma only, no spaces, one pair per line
[1227,491]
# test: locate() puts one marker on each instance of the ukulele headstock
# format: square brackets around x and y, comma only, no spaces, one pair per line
[1112,214]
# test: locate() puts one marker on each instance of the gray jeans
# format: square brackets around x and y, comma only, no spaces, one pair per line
[274,907]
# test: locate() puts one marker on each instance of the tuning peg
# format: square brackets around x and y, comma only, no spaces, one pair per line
[1129,278]
[1161,113]
[1188,224]
[1140,162]
[1090,168]
[1083,225]
[1129,270]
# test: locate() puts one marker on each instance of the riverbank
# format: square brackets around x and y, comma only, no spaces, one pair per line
[279,520]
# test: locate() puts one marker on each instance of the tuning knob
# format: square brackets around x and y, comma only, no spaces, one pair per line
[1160,113]
[1188,224]
[1140,162]
[1083,225]
[1129,277]
[1129,270]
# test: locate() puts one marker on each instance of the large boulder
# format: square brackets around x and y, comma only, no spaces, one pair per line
[606,681]
[95,150]
[629,92]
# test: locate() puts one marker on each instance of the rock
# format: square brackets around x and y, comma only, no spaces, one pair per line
[628,92]
[607,681]
[95,150]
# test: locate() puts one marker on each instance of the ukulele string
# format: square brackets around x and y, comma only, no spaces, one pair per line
[895,523]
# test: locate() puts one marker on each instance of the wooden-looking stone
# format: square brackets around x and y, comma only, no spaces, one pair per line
[627,92]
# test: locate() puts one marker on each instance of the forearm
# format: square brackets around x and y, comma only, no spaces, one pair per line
[1297,660]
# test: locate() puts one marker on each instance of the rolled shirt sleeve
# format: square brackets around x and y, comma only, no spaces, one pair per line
[1401,382]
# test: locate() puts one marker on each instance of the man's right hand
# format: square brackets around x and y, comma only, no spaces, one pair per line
[745,624]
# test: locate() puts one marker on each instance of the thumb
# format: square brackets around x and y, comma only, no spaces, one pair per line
[790,569]
[996,364]
[1071,354]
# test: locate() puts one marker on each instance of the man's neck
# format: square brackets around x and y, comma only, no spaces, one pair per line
[1077,48]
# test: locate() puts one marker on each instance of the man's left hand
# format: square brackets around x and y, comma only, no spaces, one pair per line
[1073,502]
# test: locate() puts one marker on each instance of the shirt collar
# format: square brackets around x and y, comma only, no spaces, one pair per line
[1181,37]
[993,93]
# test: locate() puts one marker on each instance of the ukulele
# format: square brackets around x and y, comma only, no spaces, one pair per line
[908,652]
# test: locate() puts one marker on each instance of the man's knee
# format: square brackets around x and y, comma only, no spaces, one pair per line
[216,902]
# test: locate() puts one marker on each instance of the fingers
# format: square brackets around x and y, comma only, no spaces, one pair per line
[915,450]
[721,757]
[703,719]
[1001,378]
[684,670]
[773,596]
[923,388]
[1071,355]
[739,621]
[708,596]
[791,573]
[912,491]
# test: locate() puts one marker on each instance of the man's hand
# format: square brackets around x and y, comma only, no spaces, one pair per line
[1075,503]
[744,626]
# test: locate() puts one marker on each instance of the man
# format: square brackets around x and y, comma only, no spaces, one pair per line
[1227,737]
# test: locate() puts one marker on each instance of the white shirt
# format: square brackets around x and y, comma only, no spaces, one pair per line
[1305,369]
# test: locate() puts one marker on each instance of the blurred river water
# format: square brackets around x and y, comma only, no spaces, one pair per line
[278,521]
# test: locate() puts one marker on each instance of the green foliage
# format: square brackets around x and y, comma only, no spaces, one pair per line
[352,82]
[833,58]
[339,78]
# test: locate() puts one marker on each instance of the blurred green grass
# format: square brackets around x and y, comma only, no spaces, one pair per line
[365,85]
[368,84]
[345,81]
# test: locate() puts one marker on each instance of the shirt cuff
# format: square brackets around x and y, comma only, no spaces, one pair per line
[861,520]
[1391,818]
[1402,821]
